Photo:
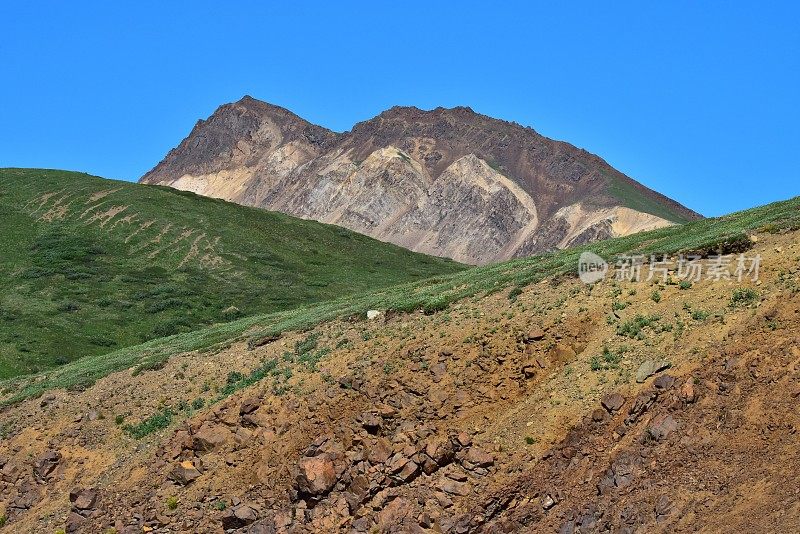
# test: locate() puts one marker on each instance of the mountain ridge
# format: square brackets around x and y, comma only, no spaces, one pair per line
[259,154]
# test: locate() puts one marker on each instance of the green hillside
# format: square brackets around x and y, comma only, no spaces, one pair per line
[707,236]
[92,265]
[638,199]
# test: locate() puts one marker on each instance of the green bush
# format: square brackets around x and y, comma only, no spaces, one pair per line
[99,341]
[166,304]
[307,345]
[721,245]
[68,307]
[153,423]
[436,305]
[612,359]
[311,359]
[237,381]
[743,297]
[234,377]
[633,328]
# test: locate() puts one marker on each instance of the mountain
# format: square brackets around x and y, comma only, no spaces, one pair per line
[446,182]
[92,265]
[504,398]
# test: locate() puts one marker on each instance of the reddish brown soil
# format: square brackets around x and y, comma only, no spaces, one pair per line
[484,418]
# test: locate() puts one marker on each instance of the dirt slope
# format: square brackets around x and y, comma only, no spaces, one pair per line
[497,415]
[447,182]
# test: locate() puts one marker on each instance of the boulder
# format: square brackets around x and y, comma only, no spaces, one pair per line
[316,475]
[649,368]
[440,450]
[619,475]
[396,463]
[529,371]
[386,411]
[357,492]
[464,439]
[662,426]
[535,333]
[478,457]
[249,405]
[642,403]
[238,517]
[83,499]
[663,508]
[46,464]
[185,472]
[612,402]
[210,437]
[452,487]
[688,393]
[75,523]
[371,422]
[408,473]
[9,473]
[395,514]
[664,382]
[379,452]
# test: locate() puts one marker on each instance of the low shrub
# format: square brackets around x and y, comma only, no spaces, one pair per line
[743,297]
[153,423]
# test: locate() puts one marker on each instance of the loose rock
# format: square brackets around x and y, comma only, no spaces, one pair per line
[612,402]
[649,368]
[662,426]
[46,464]
[316,475]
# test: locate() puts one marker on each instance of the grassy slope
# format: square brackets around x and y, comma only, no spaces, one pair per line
[637,200]
[80,280]
[431,295]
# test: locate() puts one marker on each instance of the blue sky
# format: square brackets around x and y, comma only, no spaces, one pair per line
[697,100]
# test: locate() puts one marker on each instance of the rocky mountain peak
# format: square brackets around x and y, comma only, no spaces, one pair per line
[541,194]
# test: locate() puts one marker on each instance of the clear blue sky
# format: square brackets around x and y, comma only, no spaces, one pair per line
[698,100]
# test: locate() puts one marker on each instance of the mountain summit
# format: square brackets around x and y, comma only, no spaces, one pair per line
[449,182]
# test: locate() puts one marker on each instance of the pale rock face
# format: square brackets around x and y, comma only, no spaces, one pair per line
[445,182]
[502,211]
[227,185]
[617,221]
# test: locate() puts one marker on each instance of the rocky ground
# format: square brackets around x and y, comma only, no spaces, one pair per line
[566,408]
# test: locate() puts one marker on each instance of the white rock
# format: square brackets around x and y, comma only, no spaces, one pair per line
[372,314]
